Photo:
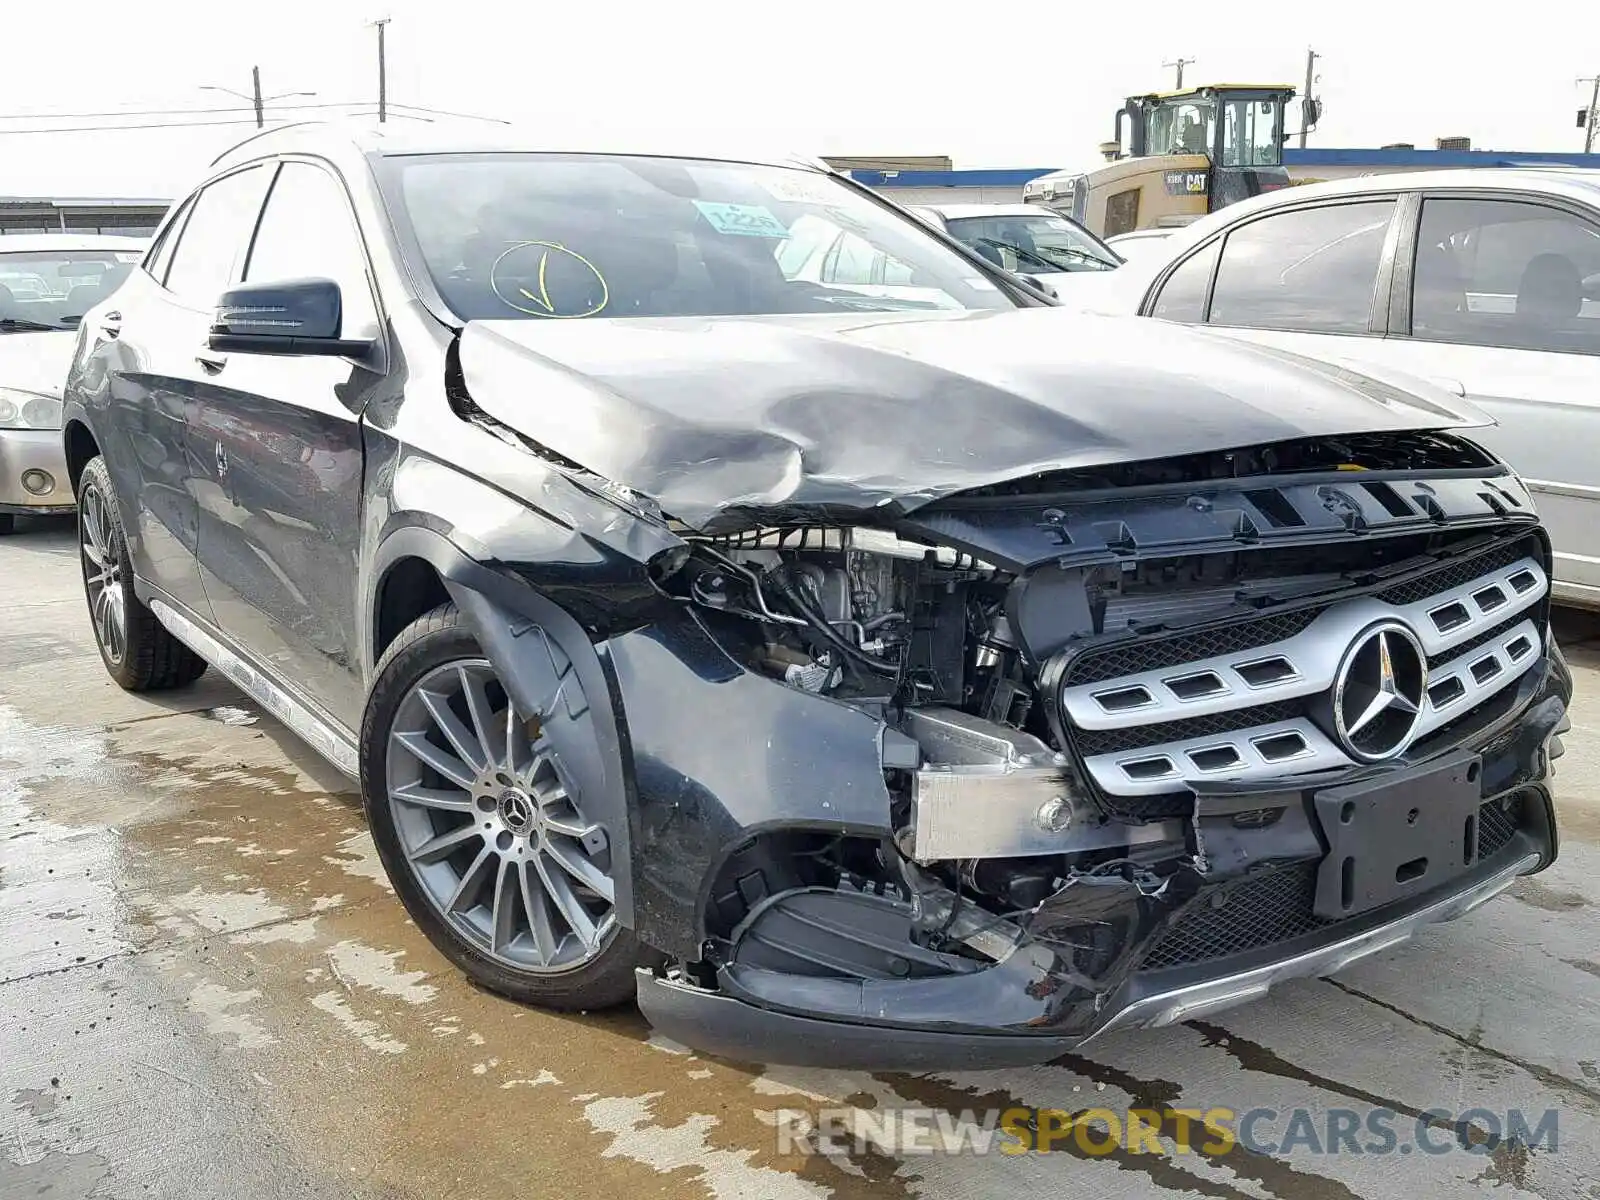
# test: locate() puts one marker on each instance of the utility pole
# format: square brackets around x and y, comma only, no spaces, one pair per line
[1179,65]
[1308,106]
[256,99]
[383,74]
[1587,117]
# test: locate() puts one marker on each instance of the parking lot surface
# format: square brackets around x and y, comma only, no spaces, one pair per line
[207,990]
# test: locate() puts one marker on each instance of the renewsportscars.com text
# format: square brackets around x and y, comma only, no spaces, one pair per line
[1210,1132]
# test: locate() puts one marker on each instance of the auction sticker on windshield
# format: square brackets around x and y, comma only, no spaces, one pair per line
[801,187]
[747,220]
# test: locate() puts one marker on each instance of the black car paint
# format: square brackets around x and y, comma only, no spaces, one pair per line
[711,417]
[281,494]
[1036,1005]
[139,391]
[454,456]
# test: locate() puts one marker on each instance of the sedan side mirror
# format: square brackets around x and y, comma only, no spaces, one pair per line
[1039,285]
[291,316]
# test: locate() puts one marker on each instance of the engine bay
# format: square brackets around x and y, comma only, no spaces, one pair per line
[1003,828]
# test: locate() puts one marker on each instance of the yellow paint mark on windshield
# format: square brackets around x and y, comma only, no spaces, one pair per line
[548,305]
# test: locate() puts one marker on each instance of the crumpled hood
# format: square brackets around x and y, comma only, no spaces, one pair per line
[710,416]
[36,362]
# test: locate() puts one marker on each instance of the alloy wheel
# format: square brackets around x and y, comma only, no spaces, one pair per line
[491,825]
[102,574]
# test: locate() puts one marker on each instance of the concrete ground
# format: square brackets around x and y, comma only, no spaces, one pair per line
[207,990]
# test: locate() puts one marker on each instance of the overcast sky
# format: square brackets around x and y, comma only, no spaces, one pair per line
[1022,84]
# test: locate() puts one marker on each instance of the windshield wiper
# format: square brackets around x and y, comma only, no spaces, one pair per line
[1085,256]
[1044,262]
[1022,254]
[17,325]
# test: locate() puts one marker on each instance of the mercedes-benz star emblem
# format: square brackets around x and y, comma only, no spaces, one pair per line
[516,810]
[1379,692]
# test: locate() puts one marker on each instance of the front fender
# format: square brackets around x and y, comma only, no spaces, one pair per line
[721,754]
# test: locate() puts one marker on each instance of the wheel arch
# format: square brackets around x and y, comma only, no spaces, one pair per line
[80,446]
[503,614]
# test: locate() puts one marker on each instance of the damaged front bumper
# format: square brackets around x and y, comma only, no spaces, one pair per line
[1248,909]
[721,1023]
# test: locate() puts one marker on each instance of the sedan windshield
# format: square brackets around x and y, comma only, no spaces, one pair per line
[1031,243]
[541,236]
[52,289]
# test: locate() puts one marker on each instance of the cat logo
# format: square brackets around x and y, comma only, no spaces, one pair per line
[1185,183]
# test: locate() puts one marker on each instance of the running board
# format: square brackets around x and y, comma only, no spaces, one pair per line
[317,733]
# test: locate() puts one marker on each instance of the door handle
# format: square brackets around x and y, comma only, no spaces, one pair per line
[111,324]
[210,360]
[222,461]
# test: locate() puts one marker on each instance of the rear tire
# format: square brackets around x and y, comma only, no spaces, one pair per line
[138,651]
[480,825]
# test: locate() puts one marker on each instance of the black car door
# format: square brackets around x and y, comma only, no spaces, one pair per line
[144,369]
[278,441]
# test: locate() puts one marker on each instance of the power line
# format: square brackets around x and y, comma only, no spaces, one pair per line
[168,112]
[404,110]
[112,128]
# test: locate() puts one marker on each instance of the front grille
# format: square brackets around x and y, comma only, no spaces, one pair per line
[1457,573]
[1109,741]
[1276,907]
[1483,639]
[1156,807]
[1248,700]
[1156,652]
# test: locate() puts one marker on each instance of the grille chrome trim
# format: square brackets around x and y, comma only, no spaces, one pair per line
[1461,670]
[1314,654]
[1112,771]
[1481,668]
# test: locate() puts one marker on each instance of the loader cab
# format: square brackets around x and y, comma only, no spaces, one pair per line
[1238,128]
[1176,156]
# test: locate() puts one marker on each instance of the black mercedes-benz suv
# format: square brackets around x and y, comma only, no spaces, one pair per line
[730,591]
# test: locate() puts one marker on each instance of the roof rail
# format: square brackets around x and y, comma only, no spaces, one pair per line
[261,133]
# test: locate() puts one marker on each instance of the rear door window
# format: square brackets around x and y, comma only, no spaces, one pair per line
[1183,296]
[1312,269]
[155,263]
[1506,273]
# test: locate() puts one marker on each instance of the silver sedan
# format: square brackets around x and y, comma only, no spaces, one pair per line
[47,283]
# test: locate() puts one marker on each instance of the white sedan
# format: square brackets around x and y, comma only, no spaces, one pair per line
[1025,239]
[1486,283]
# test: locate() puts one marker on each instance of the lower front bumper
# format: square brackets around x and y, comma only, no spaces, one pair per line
[720,1024]
[39,454]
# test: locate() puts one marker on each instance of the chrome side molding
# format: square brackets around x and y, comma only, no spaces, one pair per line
[317,733]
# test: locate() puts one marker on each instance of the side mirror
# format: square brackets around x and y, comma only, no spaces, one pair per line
[292,316]
[1039,285]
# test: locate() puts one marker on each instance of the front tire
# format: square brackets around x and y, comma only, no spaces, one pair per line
[479,819]
[138,651]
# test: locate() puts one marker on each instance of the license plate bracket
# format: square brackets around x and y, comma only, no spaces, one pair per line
[1397,835]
